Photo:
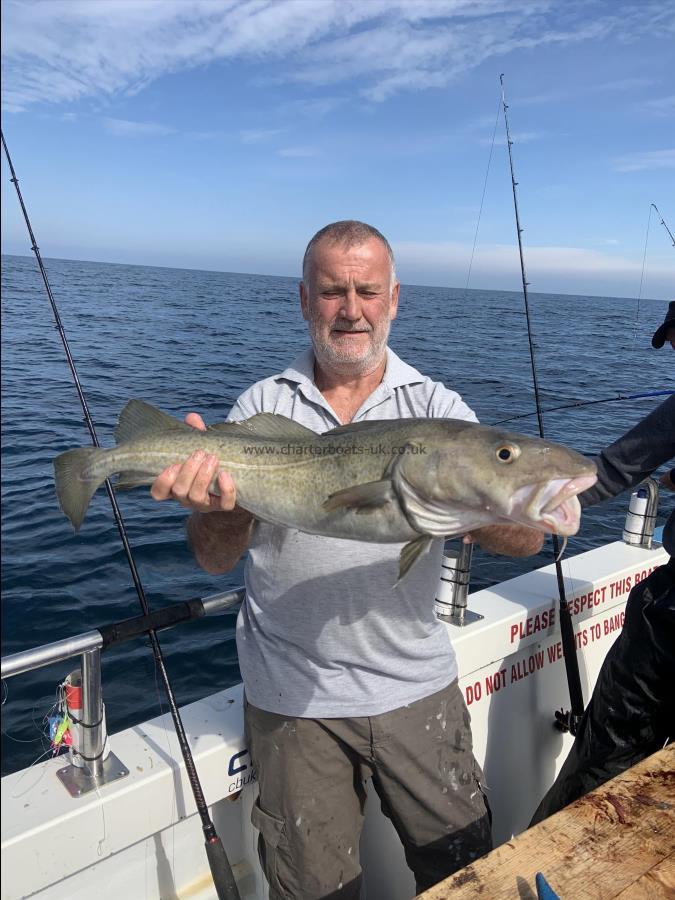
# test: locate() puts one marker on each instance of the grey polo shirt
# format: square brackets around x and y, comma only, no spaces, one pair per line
[323,632]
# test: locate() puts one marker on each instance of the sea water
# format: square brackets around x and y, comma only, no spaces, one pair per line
[192,340]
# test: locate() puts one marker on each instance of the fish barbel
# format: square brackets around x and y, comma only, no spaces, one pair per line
[387,481]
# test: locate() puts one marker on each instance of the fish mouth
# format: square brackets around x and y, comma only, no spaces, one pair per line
[554,506]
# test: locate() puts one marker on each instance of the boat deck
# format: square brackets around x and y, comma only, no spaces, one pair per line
[140,836]
[616,842]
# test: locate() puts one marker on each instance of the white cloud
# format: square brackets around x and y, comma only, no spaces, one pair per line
[504,257]
[311,108]
[299,152]
[518,137]
[125,128]
[618,86]
[60,51]
[660,106]
[570,270]
[205,135]
[258,136]
[647,159]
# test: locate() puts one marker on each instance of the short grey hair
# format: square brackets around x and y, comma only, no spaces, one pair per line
[349,233]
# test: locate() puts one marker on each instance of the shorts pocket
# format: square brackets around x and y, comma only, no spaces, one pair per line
[269,826]
[271,830]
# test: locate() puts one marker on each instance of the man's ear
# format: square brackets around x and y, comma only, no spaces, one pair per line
[393,309]
[304,301]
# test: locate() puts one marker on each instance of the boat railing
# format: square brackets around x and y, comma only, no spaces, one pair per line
[90,766]
[91,763]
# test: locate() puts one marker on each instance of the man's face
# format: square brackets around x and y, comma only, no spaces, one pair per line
[349,301]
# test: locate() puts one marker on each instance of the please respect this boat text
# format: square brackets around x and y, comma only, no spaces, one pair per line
[545,621]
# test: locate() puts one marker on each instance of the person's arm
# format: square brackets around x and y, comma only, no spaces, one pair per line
[218,529]
[635,455]
[507,540]
[219,540]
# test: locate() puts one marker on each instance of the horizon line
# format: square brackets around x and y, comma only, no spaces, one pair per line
[298,278]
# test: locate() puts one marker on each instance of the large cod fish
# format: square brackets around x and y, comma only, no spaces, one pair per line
[388,481]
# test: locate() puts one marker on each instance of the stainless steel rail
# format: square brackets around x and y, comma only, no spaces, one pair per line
[58,651]
[91,765]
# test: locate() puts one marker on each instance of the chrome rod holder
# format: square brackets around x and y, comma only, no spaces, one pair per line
[453,587]
[638,530]
[82,776]
[90,767]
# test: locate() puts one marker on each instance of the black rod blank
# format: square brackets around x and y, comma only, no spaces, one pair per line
[566,627]
[226,887]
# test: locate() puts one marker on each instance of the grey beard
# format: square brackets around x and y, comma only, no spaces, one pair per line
[327,357]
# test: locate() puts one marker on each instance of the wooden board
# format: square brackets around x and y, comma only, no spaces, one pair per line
[616,842]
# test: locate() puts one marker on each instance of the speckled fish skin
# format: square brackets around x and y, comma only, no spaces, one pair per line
[384,481]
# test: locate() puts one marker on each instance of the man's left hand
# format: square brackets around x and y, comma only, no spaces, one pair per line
[507,540]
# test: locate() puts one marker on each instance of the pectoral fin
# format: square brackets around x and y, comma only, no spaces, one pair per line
[411,552]
[362,497]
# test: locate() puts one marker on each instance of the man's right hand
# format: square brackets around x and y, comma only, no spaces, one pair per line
[189,482]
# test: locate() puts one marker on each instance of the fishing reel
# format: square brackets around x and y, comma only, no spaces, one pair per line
[566,721]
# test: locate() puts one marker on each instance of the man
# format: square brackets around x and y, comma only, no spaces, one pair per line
[346,677]
[631,713]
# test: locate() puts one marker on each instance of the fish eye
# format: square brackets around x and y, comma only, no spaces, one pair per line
[507,453]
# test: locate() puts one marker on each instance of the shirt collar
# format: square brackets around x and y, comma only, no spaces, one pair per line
[396,374]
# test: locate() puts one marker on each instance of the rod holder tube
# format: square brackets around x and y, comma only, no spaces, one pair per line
[638,530]
[453,587]
[92,713]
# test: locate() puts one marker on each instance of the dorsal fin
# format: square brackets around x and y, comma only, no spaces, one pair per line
[272,425]
[231,427]
[139,417]
[358,426]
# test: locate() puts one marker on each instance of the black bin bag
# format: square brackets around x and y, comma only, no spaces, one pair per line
[632,711]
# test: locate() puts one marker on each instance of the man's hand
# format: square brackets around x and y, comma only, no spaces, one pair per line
[189,482]
[507,540]
[217,541]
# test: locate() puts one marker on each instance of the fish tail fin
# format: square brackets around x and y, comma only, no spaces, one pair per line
[76,483]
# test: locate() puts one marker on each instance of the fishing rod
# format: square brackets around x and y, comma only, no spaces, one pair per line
[564,720]
[223,878]
[663,222]
[580,403]
[644,262]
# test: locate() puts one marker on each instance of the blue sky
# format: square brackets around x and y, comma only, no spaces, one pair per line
[221,134]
